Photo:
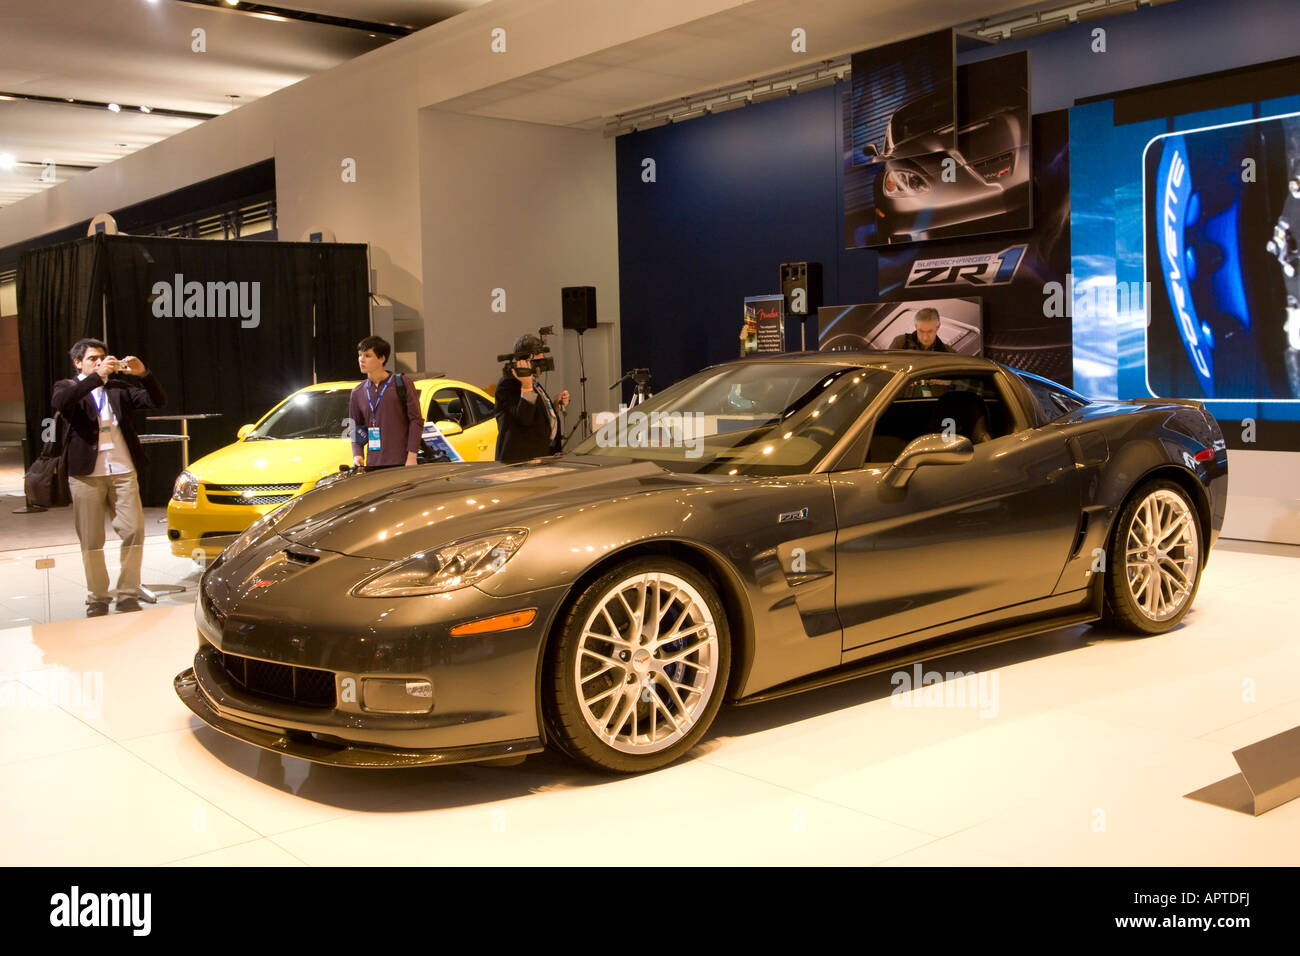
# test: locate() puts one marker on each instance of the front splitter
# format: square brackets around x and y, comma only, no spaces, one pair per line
[339,754]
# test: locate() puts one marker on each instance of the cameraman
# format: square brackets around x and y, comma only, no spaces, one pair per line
[527,419]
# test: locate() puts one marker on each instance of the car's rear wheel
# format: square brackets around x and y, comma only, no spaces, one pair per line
[1154,565]
[638,670]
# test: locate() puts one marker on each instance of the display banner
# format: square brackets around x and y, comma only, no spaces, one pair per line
[764,328]
[902,105]
[882,325]
[1020,277]
[1184,229]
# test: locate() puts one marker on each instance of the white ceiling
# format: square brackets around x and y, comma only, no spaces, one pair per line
[138,53]
[741,43]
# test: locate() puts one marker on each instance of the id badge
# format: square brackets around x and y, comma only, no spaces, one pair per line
[374,438]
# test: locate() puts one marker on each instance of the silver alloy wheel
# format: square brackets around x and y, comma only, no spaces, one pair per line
[647,662]
[1161,556]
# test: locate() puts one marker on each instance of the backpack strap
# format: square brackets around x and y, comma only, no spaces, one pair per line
[401,395]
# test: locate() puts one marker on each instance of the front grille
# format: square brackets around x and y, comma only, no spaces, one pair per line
[253,489]
[249,500]
[249,494]
[305,686]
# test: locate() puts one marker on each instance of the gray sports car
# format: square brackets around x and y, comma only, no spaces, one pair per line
[763,527]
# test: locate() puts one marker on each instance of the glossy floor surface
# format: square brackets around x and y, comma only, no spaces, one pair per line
[1074,747]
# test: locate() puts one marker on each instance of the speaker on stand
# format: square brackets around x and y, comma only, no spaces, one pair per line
[579,314]
[801,286]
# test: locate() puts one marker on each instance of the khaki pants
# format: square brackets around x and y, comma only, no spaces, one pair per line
[118,497]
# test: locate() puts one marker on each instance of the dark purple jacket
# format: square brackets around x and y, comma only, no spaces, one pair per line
[399,433]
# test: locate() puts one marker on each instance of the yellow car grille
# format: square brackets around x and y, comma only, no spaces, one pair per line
[249,494]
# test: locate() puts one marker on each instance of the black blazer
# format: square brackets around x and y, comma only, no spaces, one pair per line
[910,341]
[523,427]
[126,393]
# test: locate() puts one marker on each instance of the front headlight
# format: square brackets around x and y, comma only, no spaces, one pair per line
[904,182]
[187,487]
[450,567]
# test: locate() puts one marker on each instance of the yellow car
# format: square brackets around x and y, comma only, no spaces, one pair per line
[295,445]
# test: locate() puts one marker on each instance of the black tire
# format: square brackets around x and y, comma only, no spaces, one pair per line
[1121,607]
[569,720]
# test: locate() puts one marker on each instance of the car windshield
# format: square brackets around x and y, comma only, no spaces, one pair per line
[308,415]
[925,114]
[756,418]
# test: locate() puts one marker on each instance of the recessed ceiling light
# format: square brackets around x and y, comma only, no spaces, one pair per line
[114,108]
[7,161]
[145,109]
[233,3]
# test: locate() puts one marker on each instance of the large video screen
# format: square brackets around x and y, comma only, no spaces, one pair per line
[1179,257]
[1218,234]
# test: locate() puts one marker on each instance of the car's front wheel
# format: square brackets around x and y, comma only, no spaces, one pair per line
[1155,559]
[639,667]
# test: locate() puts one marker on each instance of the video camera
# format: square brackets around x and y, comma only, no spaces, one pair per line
[535,366]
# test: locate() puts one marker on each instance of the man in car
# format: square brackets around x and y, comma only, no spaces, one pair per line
[104,455]
[384,426]
[926,337]
[528,423]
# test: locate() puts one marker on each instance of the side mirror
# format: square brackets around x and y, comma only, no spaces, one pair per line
[448,428]
[928,450]
[244,432]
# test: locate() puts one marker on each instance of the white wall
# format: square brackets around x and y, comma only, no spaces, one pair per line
[1263,496]
[524,208]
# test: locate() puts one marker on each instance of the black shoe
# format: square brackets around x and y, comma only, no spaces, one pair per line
[96,609]
[127,604]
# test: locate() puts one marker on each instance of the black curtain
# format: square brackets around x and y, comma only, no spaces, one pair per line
[311,309]
[60,291]
[341,284]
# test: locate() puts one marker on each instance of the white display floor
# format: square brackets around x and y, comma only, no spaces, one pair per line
[1080,753]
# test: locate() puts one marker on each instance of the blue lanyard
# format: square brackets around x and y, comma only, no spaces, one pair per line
[374,402]
[99,402]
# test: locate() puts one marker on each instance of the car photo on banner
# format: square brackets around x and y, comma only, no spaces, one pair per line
[301,442]
[763,527]
[877,325]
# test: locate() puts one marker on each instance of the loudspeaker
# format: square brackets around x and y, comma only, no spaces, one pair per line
[579,303]
[801,285]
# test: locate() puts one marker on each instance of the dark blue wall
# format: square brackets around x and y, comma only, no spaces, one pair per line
[736,195]
[740,193]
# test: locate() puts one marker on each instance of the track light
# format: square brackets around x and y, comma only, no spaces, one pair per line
[145,109]
[7,161]
[114,108]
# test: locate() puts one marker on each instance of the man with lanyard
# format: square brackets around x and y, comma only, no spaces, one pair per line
[104,453]
[388,432]
[527,424]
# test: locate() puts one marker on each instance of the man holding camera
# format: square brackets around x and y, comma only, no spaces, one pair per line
[104,454]
[528,423]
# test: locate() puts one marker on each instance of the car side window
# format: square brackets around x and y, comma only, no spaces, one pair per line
[1052,402]
[970,405]
[480,407]
[447,405]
